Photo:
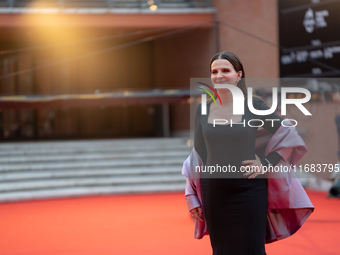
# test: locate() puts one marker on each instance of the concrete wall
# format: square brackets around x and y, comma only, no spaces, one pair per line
[257,17]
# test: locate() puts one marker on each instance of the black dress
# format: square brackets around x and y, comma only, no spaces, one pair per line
[235,207]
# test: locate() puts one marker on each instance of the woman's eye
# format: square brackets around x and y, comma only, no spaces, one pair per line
[226,70]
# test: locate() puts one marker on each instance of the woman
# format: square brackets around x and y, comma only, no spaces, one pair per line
[235,203]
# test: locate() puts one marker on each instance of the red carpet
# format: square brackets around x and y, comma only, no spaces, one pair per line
[140,224]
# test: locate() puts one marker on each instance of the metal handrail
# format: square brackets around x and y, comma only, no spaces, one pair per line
[108,3]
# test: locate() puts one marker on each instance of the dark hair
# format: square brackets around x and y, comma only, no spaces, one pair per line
[237,64]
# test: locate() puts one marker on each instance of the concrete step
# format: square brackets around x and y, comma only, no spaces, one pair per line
[68,173]
[94,164]
[92,181]
[80,156]
[6,152]
[29,149]
[90,191]
[40,170]
[154,142]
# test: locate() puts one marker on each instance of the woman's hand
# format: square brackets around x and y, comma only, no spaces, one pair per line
[196,212]
[254,169]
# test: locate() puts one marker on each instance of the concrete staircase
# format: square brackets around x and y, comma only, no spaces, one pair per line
[40,170]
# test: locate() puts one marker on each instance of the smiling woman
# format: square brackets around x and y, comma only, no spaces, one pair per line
[226,67]
[234,204]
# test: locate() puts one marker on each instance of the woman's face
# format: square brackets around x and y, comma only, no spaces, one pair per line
[223,72]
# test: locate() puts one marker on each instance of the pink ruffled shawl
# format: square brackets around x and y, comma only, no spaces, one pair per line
[288,204]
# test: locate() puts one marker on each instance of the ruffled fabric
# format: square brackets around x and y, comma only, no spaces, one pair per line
[288,204]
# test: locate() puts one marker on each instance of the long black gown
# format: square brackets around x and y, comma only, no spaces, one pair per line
[235,207]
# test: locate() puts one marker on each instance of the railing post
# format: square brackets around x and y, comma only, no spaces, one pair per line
[110,3]
[208,3]
[165,120]
[61,3]
[10,3]
[217,35]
